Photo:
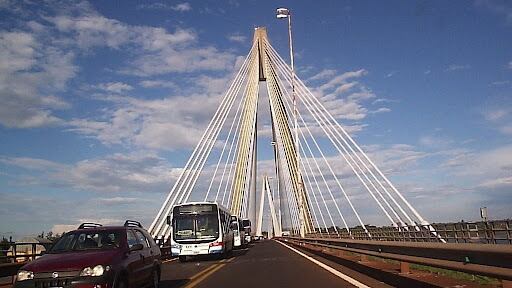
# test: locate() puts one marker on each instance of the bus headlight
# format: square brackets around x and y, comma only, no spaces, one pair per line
[175,249]
[24,275]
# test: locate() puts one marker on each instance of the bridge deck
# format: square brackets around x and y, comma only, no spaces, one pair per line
[266,264]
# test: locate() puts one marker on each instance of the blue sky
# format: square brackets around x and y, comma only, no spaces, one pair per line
[102,101]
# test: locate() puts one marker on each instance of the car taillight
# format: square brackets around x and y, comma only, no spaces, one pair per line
[214,244]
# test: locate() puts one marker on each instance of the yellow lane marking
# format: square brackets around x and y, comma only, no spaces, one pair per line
[201,276]
[170,260]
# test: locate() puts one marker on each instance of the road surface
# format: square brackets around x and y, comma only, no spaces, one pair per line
[266,264]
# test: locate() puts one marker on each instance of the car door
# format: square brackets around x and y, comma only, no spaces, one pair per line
[147,257]
[135,261]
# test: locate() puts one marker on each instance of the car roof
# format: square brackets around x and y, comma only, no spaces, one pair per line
[106,228]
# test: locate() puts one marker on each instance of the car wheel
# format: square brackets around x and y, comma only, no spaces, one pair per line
[155,276]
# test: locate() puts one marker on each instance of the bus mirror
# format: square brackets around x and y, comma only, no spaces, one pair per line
[168,220]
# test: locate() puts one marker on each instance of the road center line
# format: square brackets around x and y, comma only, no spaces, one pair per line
[201,276]
[327,267]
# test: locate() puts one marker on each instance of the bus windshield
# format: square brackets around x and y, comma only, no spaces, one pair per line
[196,226]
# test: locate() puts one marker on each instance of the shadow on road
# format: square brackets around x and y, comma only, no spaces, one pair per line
[175,283]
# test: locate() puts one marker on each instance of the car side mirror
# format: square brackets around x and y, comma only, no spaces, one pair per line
[136,247]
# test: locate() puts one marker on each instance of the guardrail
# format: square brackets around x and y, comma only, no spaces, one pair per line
[16,255]
[481,259]
[490,232]
[28,252]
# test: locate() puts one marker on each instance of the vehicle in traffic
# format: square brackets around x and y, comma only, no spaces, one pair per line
[246,223]
[238,232]
[200,228]
[97,256]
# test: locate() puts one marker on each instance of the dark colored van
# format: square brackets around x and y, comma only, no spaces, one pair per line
[96,256]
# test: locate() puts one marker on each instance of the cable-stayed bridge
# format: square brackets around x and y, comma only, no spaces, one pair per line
[310,194]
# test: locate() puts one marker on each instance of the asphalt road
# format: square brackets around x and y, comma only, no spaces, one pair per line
[265,264]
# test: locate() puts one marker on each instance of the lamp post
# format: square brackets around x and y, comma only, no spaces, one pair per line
[282,13]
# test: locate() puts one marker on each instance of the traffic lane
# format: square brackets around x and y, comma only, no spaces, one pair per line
[270,264]
[177,274]
[348,270]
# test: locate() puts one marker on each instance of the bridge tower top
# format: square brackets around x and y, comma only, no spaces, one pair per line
[260,39]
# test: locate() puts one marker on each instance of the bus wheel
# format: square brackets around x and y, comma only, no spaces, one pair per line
[183,258]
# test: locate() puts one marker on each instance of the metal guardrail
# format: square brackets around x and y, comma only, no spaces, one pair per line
[481,259]
[17,255]
[490,232]
[13,253]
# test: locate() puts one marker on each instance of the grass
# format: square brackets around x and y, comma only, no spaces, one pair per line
[483,280]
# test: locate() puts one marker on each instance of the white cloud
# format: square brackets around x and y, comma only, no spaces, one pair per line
[135,172]
[507,129]
[457,67]
[32,163]
[381,110]
[182,7]
[435,141]
[119,200]
[495,114]
[30,72]
[500,118]
[158,84]
[157,51]
[503,182]
[168,124]
[237,37]
[341,79]
[324,74]
[500,83]
[117,87]
[498,7]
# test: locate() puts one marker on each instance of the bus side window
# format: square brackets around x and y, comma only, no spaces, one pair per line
[223,221]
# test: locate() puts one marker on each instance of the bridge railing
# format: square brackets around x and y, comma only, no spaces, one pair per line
[22,251]
[481,259]
[490,232]
[16,255]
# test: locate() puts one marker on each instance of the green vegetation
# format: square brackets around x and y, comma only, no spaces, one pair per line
[457,275]
[482,280]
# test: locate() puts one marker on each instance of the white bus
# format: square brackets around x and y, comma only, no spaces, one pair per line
[238,232]
[200,228]
[246,224]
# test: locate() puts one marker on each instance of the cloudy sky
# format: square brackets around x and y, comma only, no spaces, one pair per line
[102,102]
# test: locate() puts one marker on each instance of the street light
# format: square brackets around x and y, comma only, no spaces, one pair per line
[282,13]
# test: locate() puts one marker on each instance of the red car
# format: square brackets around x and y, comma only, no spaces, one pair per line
[94,256]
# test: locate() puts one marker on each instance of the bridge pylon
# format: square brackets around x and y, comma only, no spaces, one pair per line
[263,69]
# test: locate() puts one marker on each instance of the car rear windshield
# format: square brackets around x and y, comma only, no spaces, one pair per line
[87,240]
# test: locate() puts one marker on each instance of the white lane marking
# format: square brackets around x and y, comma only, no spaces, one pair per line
[327,267]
